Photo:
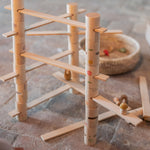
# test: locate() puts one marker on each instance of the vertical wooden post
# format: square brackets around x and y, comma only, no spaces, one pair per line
[91,84]
[19,62]
[72,8]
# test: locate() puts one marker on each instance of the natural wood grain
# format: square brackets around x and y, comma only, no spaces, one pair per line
[77,86]
[42,99]
[102,77]
[101,30]
[9,34]
[8,76]
[130,117]
[43,33]
[52,18]
[145,98]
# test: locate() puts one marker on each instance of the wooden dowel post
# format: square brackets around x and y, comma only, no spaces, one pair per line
[91,84]
[19,61]
[73,45]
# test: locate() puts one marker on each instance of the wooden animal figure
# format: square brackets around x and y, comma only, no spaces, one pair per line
[67,75]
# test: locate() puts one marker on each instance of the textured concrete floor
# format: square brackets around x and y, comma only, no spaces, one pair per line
[114,133]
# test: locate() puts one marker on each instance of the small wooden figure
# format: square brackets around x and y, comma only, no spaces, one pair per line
[116,101]
[67,75]
[123,107]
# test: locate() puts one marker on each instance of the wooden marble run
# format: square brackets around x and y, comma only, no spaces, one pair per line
[92,31]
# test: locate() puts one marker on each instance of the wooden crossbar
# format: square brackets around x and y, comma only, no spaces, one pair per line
[43,33]
[61,64]
[106,32]
[77,86]
[54,62]
[8,76]
[145,98]
[130,117]
[53,18]
[42,99]
[34,65]
[40,23]
[80,124]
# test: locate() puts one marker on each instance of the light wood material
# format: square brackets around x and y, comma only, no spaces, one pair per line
[9,34]
[91,84]
[8,76]
[113,32]
[19,62]
[43,33]
[101,30]
[78,125]
[73,43]
[75,85]
[130,118]
[102,77]
[145,98]
[42,99]
[52,18]
[54,62]
[34,65]
[45,22]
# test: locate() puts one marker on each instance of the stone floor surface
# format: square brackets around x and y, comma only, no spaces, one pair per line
[113,134]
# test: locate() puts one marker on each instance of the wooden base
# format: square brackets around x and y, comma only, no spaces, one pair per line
[130,117]
[78,125]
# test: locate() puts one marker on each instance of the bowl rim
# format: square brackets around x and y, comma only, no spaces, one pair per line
[137,49]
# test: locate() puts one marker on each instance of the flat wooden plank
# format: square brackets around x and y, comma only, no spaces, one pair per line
[44,33]
[54,62]
[8,76]
[130,118]
[145,98]
[45,22]
[42,99]
[78,125]
[113,32]
[77,86]
[53,18]
[102,77]
[9,34]
[101,30]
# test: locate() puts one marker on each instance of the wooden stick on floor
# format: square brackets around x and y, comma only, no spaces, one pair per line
[145,98]
[19,61]
[91,84]
[73,43]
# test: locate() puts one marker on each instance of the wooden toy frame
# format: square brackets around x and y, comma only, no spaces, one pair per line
[91,72]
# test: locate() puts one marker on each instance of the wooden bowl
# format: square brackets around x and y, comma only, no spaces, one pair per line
[121,64]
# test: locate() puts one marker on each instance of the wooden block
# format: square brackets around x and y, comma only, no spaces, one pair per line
[77,86]
[43,33]
[145,98]
[8,76]
[9,34]
[42,99]
[53,18]
[130,117]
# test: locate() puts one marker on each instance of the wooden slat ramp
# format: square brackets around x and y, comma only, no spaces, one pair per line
[130,117]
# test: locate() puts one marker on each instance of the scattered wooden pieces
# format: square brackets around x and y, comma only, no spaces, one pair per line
[145,98]
[130,117]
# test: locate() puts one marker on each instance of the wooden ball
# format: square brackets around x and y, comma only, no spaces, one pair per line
[67,75]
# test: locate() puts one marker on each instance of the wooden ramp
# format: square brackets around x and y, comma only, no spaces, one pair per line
[130,117]
[145,98]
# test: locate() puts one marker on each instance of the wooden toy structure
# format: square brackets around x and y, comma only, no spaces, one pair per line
[91,72]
